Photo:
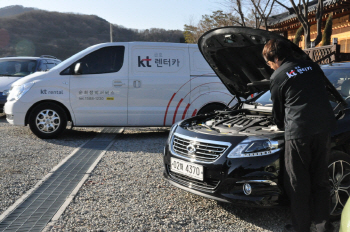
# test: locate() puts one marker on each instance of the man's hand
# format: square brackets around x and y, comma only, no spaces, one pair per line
[274,128]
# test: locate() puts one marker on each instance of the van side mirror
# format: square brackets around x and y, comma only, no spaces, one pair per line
[78,69]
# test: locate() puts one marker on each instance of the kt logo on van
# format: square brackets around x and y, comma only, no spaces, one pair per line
[44,91]
[141,62]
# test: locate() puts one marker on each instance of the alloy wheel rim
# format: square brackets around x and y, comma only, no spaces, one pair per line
[339,173]
[47,121]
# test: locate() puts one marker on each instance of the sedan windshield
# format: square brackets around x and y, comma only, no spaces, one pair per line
[339,77]
[16,67]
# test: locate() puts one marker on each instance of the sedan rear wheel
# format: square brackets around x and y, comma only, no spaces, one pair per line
[339,177]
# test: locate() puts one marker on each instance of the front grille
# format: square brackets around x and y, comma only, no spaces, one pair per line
[203,151]
[207,185]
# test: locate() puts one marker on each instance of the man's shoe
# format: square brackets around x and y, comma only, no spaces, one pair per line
[288,228]
[330,227]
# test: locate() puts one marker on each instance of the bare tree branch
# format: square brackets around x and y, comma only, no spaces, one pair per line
[262,13]
[239,5]
[282,5]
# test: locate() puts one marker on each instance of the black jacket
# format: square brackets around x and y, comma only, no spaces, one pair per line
[300,102]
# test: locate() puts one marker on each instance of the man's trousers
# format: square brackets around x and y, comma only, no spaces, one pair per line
[307,182]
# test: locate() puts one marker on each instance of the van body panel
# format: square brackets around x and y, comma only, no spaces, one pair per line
[160,74]
[125,84]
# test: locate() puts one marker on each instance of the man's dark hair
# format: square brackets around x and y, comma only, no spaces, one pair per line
[276,49]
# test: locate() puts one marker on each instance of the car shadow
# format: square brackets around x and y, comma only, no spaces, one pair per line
[277,216]
[129,134]
[2,117]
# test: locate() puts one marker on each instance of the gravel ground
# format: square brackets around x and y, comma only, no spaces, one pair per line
[26,159]
[126,191]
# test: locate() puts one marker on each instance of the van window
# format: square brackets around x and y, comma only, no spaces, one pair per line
[104,60]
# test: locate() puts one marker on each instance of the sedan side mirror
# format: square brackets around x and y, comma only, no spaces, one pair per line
[78,69]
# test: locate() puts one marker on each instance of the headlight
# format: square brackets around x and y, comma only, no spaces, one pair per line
[172,130]
[255,147]
[17,91]
[5,92]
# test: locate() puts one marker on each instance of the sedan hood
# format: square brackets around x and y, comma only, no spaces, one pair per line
[235,54]
[6,81]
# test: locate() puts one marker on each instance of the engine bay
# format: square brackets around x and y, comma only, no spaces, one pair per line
[243,122]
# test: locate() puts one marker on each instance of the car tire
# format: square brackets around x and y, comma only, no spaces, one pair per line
[210,108]
[339,177]
[47,120]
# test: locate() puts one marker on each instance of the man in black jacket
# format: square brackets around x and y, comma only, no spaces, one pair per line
[301,108]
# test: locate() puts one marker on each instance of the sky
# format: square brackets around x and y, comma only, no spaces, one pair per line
[136,14]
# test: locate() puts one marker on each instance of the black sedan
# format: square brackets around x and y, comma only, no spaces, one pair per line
[236,155]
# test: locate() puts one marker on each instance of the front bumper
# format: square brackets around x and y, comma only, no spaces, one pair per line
[2,101]
[15,112]
[224,179]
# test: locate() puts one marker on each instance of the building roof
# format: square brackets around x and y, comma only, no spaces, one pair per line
[280,18]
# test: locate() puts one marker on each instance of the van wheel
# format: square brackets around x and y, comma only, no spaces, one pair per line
[47,120]
[339,177]
[210,108]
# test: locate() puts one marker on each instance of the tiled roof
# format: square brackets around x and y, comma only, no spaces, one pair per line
[275,19]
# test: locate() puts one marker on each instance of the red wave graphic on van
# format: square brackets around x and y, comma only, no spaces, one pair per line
[194,113]
[184,114]
[177,107]
[189,104]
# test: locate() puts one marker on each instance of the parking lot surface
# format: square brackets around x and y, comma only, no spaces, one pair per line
[126,191]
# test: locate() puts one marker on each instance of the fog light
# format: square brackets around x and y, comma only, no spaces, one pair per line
[247,189]
[9,116]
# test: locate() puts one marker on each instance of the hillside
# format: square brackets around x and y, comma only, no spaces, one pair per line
[39,32]
[14,10]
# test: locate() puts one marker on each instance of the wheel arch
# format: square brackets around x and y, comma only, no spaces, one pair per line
[69,117]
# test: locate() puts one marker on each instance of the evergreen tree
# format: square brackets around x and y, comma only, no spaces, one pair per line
[298,34]
[327,33]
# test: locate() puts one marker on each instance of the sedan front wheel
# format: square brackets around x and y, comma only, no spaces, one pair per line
[339,178]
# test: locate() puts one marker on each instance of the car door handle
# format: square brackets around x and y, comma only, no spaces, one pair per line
[137,84]
[117,83]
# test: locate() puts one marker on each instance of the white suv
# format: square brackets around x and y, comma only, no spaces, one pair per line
[14,68]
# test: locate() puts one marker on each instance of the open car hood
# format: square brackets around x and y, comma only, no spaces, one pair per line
[235,54]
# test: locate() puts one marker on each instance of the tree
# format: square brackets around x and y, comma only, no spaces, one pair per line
[301,10]
[191,33]
[216,19]
[263,11]
[326,37]
[258,11]
[297,37]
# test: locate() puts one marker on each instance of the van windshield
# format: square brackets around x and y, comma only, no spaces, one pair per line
[70,60]
[17,67]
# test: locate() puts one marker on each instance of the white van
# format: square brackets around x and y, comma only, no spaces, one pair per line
[117,84]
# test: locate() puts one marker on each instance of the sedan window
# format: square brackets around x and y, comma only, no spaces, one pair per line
[17,67]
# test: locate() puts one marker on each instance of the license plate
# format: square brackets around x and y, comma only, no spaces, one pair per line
[186,168]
